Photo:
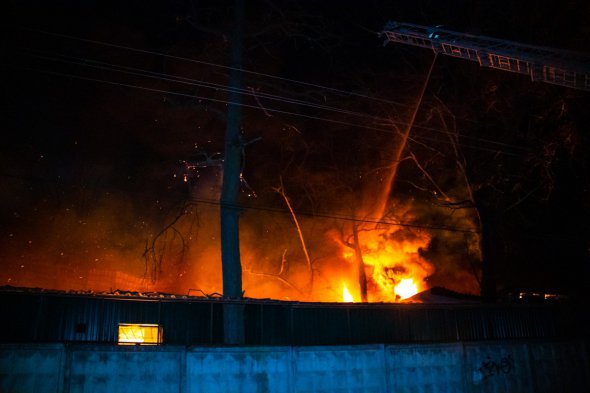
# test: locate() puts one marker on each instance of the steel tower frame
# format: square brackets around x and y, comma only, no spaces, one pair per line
[558,67]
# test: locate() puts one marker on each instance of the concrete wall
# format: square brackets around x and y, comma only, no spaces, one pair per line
[338,369]
[116,369]
[425,368]
[248,370]
[493,367]
[31,368]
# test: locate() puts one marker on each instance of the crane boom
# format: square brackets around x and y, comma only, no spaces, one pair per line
[564,68]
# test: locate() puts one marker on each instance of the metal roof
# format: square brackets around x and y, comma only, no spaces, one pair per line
[61,317]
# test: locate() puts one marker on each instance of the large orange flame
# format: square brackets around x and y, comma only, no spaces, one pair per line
[395,268]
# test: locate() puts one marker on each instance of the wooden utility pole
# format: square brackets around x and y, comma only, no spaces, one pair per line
[233,314]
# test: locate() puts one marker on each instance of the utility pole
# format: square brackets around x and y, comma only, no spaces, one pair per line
[233,314]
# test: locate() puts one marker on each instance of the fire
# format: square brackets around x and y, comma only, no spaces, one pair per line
[394,266]
[406,288]
[346,295]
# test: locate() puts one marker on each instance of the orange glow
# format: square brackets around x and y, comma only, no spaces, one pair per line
[346,295]
[144,334]
[274,265]
[406,288]
[394,266]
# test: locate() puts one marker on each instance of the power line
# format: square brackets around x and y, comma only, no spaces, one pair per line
[210,85]
[145,51]
[269,209]
[367,220]
[204,98]
[342,92]
[177,79]
[192,82]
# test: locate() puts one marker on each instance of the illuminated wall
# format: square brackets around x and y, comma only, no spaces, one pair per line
[492,367]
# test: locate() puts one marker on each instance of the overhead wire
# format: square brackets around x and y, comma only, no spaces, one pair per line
[367,220]
[193,82]
[196,61]
[177,79]
[335,216]
[198,97]
[175,57]
[256,107]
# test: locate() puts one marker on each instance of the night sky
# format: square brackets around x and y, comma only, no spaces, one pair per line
[113,117]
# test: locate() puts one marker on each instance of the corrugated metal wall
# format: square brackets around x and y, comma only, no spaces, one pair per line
[43,317]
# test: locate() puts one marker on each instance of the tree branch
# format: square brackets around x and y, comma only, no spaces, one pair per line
[281,191]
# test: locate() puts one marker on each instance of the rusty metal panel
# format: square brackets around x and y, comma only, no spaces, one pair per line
[571,322]
[430,324]
[191,323]
[507,323]
[19,313]
[379,325]
[320,325]
[268,324]
[544,322]
[69,319]
[472,324]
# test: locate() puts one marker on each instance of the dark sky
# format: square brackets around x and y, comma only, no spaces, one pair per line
[103,102]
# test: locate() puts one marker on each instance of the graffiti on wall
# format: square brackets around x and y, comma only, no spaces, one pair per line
[493,367]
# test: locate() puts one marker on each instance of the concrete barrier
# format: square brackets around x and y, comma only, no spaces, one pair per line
[248,370]
[114,369]
[560,366]
[425,368]
[339,369]
[35,368]
[493,367]
[497,367]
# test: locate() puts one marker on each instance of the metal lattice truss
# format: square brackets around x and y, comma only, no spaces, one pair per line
[543,64]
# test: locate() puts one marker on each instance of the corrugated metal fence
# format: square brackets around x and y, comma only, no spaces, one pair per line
[44,317]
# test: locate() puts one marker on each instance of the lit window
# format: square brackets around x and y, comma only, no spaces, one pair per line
[140,334]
